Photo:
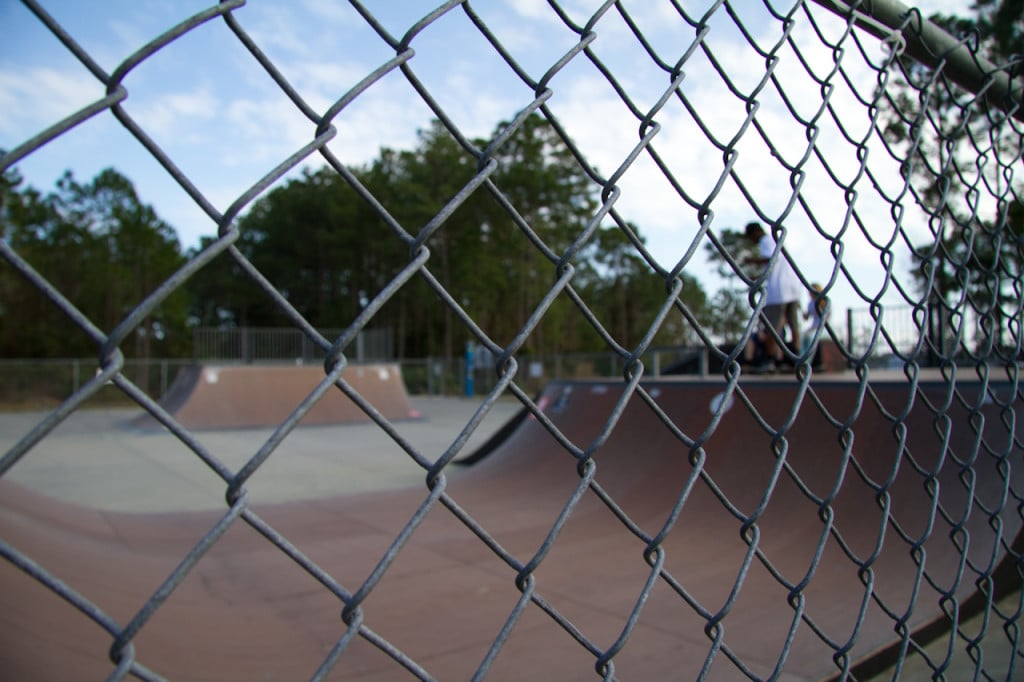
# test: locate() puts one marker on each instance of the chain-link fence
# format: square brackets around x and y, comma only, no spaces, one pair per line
[247,344]
[855,132]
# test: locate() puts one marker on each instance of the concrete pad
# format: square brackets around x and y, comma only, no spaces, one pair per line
[98,459]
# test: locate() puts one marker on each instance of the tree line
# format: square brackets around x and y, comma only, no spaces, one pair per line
[328,252]
[330,242]
[103,250]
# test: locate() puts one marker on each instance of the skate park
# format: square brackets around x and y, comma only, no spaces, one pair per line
[795,526]
[501,341]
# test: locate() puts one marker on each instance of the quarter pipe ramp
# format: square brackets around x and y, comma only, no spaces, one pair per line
[252,396]
[692,540]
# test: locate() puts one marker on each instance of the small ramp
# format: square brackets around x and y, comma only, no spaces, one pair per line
[259,396]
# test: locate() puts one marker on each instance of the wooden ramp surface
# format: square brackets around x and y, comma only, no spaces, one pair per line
[735,511]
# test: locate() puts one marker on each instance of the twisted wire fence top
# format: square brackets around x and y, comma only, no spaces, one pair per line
[786,127]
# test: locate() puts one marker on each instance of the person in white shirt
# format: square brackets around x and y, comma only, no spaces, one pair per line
[782,292]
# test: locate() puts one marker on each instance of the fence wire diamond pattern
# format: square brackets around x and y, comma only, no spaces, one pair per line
[786,172]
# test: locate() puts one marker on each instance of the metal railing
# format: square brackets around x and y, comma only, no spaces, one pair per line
[27,382]
[248,344]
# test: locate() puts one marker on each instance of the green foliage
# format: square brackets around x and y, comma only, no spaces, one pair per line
[970,258]
[496,252]
[314,241]
[740,250]
[985,266]
[501,228]
[104,251]
[732,313]
[920,109]
[628,294]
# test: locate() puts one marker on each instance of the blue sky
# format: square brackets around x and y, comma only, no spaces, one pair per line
[210,106]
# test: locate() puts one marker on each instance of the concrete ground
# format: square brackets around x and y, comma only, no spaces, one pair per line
[998,651]
[96,458]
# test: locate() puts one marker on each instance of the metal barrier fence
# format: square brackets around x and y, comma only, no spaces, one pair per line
[906,326]
[27,382]
[247,344]
[833,45]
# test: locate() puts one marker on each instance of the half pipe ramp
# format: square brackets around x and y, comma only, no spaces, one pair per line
[760,532]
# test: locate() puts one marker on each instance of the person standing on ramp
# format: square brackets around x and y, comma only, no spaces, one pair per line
[782,296]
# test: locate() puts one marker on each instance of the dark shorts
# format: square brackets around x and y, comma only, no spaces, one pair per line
[782,314]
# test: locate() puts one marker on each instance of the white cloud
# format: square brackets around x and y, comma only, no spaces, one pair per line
[263,131]
[178,114]
[535,10]
[277,29]
[322,83]
[129,36]
[328,10]
[378,120]
[36,97]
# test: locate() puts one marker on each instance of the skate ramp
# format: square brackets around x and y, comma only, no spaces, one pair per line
[254,396]
[716,547]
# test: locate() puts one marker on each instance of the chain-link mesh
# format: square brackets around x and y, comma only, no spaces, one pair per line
[968,409]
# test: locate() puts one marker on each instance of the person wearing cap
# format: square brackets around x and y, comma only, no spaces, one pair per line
[817,313]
